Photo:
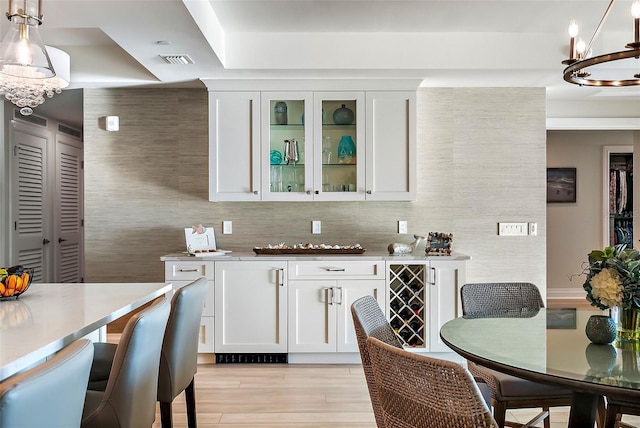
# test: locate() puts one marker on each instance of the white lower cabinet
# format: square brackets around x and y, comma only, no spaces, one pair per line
[303,307]
[181,273]
[251,307]
[445,280]
[320,298]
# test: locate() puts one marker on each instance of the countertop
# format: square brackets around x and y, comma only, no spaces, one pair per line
[367,256]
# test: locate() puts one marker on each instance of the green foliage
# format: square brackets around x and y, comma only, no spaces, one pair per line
[626,262]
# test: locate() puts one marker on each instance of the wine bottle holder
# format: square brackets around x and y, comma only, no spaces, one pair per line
[407,303]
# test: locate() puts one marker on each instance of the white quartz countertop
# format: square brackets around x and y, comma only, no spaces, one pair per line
[367,256]
[48,317]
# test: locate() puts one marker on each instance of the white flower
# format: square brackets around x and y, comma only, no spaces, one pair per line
[607,287]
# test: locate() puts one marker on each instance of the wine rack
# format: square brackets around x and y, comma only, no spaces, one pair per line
[407,303]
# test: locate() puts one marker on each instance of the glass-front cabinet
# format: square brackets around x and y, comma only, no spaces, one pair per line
[287,153]
[339,146]
[313,146]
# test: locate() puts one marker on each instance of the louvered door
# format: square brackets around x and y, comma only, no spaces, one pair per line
[30,208]
[69,241]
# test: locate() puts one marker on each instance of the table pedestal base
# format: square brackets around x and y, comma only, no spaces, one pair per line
[583,410]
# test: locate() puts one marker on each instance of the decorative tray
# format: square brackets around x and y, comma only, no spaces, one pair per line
[308,251]
[309,248]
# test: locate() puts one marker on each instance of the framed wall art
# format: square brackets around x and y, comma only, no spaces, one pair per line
[561,185]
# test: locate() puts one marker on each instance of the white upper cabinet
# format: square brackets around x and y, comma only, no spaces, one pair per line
[391,146]
[234,146]
[312,146]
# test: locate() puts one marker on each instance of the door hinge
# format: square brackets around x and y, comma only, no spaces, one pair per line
[15,150]
[81,222]
[81,164]
[15,225]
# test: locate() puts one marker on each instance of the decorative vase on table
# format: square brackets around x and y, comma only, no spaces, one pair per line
[600,329]
[627,322]
[613,282]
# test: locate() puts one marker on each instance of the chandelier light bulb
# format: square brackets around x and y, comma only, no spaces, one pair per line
[573,28]
[635,9]
[581,46]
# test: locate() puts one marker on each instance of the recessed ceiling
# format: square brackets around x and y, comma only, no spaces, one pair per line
[113,43]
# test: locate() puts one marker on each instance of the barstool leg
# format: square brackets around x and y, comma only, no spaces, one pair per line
[166,415]
[190,398]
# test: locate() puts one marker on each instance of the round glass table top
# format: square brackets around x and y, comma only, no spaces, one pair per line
[549,345]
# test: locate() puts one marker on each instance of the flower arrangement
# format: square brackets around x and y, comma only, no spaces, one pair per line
[613,278]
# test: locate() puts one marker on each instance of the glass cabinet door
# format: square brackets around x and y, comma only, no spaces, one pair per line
[287,154]
[339,149]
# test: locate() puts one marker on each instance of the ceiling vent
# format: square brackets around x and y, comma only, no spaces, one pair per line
[177,59]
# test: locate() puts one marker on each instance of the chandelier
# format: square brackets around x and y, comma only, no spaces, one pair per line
[26,71]
[580,58]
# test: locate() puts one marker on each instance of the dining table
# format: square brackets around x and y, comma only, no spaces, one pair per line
[550,346]
[50,316]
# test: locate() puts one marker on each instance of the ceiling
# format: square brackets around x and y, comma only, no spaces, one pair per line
[450,43]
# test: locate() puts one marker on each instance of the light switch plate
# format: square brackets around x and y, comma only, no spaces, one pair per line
[227,227]
[513,229]
[402,226]
[316,227]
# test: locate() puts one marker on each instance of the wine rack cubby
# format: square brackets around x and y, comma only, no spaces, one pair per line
[407,303]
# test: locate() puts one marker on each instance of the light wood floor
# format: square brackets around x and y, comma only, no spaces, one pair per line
[301,396]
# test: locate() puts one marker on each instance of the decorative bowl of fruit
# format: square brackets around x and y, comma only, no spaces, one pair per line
[14,281]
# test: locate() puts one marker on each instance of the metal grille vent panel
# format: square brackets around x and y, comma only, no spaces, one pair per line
[36,120]
[177,59]
[63,129]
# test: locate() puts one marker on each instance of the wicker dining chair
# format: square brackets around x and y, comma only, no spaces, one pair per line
[510,392]
[369,321]
[615,409]
[417,391]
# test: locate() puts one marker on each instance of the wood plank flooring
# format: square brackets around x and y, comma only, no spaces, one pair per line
[300,396]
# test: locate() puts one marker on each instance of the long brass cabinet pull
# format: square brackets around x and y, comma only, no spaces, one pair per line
[340,290]
[279,276]
[189,270]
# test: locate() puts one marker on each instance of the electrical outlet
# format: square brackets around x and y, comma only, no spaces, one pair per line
[513,229]
[402,226]
[227,227]
[316,227]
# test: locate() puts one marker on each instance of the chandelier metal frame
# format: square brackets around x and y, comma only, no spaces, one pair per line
[578,62]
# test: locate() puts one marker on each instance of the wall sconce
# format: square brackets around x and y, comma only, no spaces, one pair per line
[109,123]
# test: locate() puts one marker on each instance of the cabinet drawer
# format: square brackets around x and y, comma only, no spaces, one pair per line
[182,271]
[338,269]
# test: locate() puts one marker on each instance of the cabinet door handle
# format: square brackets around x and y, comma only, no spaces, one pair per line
[279,275]
[339,302]
[317,192]
[335,269]
[327,299]
[188,270]
[375,293]
[203,334]
[308,192]
[255,192]
[433,275]
[369,192]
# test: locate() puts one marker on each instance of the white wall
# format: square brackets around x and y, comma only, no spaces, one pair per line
[574,229]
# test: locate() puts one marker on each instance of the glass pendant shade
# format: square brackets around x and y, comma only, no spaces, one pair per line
[26,70]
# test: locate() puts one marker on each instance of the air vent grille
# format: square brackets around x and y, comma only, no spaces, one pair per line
[36,120]
[244,358]
[177,59]
[63,129]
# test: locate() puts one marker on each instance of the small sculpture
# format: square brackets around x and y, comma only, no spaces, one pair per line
[398,248]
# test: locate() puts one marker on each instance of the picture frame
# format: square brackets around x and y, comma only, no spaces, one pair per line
[439,244]
[561,185]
